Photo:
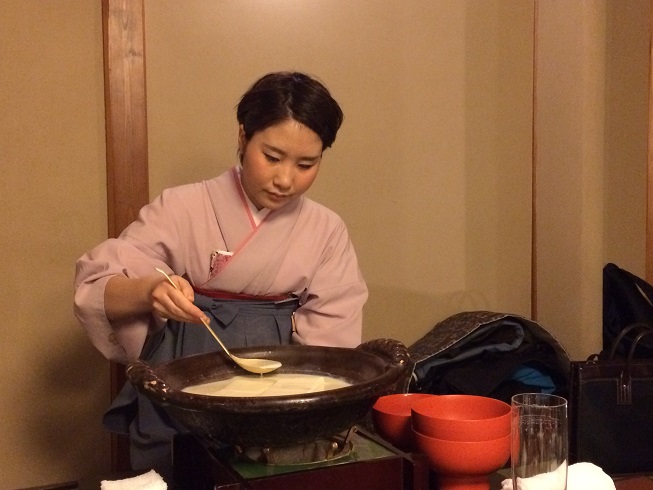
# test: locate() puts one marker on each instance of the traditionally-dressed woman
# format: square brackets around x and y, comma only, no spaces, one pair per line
[247,249]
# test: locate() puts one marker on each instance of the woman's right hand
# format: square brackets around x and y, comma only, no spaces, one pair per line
[176,304]
[127,297]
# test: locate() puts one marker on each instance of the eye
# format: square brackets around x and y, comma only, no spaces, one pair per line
[270,158]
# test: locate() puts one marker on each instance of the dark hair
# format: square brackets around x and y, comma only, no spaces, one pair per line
[284,95]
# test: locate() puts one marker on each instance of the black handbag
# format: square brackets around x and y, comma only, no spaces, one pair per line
[627,299]
[611,408]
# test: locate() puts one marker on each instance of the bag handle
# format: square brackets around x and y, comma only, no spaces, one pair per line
[631,351]
[625,394]
[624,332]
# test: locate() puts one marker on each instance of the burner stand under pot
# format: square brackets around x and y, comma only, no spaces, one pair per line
[356,459]
[319,451]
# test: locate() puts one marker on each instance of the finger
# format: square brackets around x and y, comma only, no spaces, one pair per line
[171,303]
[186,289]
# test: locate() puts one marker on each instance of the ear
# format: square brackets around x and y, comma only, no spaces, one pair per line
[242,139]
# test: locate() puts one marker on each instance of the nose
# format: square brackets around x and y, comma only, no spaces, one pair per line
[283,177]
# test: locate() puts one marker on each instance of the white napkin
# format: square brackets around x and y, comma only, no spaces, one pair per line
[147,481]
[580,476]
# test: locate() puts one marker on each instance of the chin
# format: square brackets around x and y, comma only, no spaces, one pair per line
[274,206]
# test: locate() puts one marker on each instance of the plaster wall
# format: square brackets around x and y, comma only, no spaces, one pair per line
[432,167]
[591,153]
[52,208]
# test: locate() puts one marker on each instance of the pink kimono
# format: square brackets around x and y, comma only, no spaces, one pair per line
[302,249]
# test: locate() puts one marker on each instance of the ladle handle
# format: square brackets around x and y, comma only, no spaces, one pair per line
[208,327]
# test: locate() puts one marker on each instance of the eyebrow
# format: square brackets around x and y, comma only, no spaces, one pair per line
[281,152]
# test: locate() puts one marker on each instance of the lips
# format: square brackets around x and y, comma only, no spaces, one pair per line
[277,197]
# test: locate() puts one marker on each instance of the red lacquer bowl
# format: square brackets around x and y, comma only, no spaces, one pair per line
[391,416]
[467,418]
[463,464]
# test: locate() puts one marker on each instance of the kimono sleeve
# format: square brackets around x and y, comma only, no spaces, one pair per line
[150,242]
[332,314]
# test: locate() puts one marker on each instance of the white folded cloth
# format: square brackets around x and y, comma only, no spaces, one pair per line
[147,481]
[580,476]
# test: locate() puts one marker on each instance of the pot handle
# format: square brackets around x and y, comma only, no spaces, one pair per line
[141,375]
[392,349]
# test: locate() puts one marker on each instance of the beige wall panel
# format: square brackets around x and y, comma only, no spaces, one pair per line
[628,32]
[591,161]
[566,101]
[431,169]
[52,208]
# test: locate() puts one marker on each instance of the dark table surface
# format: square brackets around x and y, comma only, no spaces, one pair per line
[623,483]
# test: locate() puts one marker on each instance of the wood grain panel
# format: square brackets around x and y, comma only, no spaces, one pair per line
[126,141]
[649,179]
[126,119]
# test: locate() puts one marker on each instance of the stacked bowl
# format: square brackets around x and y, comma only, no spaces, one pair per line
[392,418]
[465,437]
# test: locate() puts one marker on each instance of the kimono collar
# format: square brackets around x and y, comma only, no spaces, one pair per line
[257,215]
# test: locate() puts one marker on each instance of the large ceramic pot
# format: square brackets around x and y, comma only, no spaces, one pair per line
[373,369]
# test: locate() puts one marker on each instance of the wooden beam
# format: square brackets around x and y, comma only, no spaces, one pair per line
[126,117]
[649,178]
[126,141]
[534,166]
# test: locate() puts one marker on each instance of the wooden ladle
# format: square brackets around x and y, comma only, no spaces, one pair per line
[258,366]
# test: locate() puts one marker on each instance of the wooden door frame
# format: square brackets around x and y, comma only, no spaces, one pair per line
[126,141]
[534,167]
[649,177]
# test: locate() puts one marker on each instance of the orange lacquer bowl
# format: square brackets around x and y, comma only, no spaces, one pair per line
[467,418]
[464,458]
[391,416]
[463,464]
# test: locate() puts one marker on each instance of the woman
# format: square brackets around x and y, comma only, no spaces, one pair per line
[248,251]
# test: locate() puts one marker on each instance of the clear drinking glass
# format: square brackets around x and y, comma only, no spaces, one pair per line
[539,451]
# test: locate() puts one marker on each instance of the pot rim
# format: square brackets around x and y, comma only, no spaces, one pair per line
[151,379]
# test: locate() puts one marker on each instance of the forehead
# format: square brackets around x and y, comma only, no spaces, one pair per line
[289,135]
